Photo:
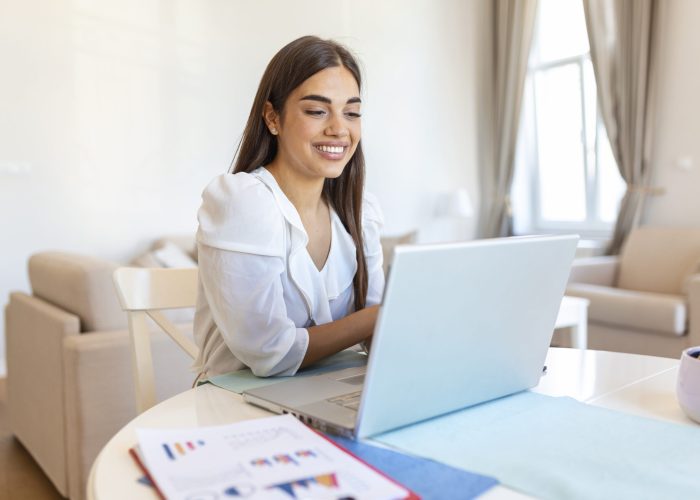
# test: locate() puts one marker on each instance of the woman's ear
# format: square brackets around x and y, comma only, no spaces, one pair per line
[271,118]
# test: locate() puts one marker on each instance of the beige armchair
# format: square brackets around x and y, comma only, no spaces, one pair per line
[647,299]
[70,381]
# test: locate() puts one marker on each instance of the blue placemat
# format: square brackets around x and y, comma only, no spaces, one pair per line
[429,479]
[559,448]
[244,380]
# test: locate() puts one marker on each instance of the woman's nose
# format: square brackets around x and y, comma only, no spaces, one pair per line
[336,127]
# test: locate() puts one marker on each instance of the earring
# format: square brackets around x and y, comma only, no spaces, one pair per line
[273,131]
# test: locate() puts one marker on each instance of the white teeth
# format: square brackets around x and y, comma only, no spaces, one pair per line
[330,149]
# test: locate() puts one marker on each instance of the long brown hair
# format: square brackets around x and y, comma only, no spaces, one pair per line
[289,68]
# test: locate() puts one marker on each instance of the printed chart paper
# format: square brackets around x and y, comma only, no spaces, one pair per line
[272,458]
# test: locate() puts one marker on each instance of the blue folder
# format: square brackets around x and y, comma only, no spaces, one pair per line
[425,477]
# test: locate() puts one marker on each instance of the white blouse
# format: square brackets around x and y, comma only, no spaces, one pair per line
[259,289]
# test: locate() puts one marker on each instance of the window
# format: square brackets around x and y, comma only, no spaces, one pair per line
[566,178]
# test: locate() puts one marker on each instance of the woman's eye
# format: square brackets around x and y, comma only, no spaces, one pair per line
[315,112]
[353,114]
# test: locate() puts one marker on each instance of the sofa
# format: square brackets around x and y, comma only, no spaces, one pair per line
[69,373]
[647,299]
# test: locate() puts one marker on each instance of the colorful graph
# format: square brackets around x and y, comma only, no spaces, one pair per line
[305,454]
[173,450]
[261,462]
[327,480]
[283,458]
[239,491]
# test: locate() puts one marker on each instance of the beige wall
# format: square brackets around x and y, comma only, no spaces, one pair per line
[677,128]
[115,114]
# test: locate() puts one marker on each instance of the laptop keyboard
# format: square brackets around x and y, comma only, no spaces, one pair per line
[350,400]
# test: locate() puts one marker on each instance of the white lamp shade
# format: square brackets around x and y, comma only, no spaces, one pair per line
[455,203]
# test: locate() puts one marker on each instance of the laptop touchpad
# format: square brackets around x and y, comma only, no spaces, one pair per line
[354,380]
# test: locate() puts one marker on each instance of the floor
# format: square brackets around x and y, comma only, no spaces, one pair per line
[20,477]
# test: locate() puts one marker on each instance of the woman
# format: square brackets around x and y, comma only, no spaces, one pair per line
[290,262]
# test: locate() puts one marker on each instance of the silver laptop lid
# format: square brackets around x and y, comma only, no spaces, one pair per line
[462,323]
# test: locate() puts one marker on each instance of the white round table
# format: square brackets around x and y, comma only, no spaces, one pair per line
[573,314]
[636,384]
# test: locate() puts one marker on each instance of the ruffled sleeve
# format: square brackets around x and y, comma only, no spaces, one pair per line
[245,298]
[372,223]
[242,250]
[239,214]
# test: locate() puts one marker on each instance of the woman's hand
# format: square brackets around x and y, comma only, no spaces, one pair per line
[330,338]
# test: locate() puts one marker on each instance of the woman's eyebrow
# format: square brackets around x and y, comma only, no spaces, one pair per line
[320,98]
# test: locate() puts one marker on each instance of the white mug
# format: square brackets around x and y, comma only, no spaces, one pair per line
[688,387]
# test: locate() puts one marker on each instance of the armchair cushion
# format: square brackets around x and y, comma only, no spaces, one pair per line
[172,251]
[601,270]
[662,313]
[171,255]
[658,259]
[187,244]
[78,284]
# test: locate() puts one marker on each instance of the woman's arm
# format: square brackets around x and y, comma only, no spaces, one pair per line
[245,296]
[330,338]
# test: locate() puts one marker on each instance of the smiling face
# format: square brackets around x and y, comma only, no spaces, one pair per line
[319,127]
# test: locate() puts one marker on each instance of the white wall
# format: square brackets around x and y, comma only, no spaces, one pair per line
[677,128]
[115,114]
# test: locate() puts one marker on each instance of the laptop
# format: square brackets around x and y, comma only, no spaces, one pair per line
[460,324]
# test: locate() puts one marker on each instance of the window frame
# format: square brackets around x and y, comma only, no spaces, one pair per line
[593,226]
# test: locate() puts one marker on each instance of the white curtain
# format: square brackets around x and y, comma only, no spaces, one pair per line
[512,26]
[624,37]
